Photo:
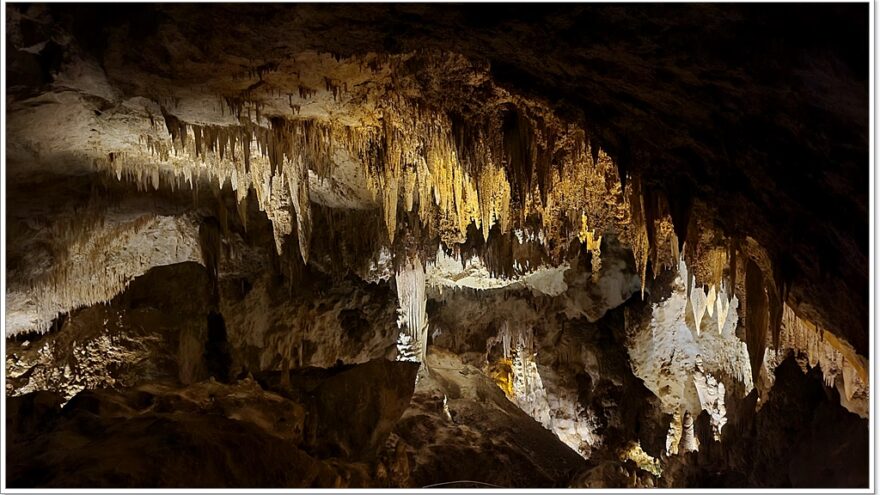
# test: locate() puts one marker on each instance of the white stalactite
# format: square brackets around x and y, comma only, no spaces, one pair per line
[722,308]
[834,357]
[412,316]
[698,306]
[710,301]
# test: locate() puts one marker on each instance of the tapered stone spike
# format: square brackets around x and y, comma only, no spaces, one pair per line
[710,301]
[453,173]
[698,306]
[722,308]
[410,281]
[757,315]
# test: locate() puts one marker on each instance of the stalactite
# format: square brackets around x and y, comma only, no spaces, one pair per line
[410,280]
[757,314]
[840,365]
[775,303]
[298,183]
[504,333]
[722,308]
[278,207]
[640,246]
[514,169]
[210,244]
[710,301]
[699,305]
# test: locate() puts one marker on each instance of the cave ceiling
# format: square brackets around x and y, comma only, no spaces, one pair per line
[707,160]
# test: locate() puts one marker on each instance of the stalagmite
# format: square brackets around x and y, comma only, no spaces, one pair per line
[673,435]
[689,442]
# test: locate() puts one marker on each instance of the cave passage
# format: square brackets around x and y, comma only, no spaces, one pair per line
[418,246]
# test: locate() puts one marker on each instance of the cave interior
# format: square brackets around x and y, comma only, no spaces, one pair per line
[437,246]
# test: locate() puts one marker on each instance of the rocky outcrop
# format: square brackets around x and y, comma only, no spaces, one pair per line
[142,335]
[166,437]
[354,412]
[458,413]
[783,445]
[381,239]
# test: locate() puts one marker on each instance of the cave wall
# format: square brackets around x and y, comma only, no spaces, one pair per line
[618,262]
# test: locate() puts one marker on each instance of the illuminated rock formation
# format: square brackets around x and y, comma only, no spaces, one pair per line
[606,254]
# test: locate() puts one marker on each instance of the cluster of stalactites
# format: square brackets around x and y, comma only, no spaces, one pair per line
[762,295]
[274,161]
[453,175]
[652,234]
[713,267]
[412,163]
[515,341]
[412,313]
[526,389]
[836,359]
[712,303]
[99,261]
[713,300]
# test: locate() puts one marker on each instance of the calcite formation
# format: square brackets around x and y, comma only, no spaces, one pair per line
[413,320]
[596,249]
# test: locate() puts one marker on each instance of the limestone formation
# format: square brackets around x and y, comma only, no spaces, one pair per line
[406,246]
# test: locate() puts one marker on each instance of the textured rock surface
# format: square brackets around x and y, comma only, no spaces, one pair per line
[616,259]
[142,335]
[357,409]
[165,438]
[67,80]
[458,413]
[756,450]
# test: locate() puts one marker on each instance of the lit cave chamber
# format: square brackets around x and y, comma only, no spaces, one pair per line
[437,246]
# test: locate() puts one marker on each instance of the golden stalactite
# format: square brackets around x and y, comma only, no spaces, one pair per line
[838,361]
[593,243]
[452,174]
[501,372]
[639,240]
[757,316]
[663,243]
